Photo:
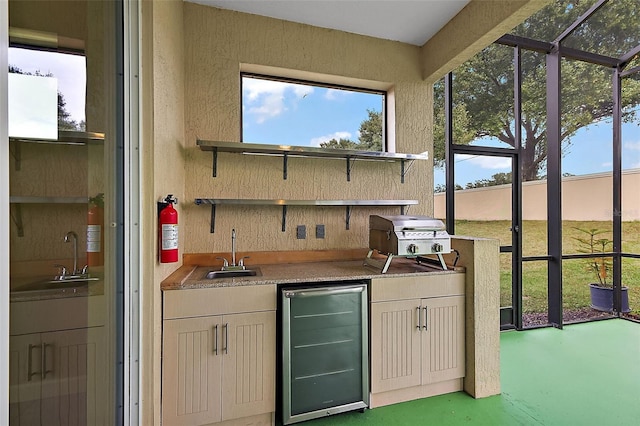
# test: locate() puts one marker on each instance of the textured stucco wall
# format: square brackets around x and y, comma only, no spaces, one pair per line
[163,170]
[481,259]
[218,44]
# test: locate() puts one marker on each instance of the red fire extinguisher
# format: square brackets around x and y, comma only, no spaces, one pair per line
[168,230]
[95,231]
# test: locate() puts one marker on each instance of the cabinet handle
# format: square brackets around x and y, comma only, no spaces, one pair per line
[215,340]
[30,372]
[419,326]
[44,360]
[225,330]
[425,317]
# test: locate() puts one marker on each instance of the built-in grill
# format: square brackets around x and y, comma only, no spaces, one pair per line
[407,236]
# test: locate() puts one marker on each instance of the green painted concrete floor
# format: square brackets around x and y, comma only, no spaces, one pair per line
[586,374]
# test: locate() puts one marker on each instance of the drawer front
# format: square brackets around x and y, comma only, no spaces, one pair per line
[220,300]
[417,287]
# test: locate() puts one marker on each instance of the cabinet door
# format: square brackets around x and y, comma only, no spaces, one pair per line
[395,345]
[191,371]
[443,343]
[25,360]
[73,379]
[249,350]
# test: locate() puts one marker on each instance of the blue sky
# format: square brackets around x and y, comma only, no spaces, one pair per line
[590,152]
[295,114]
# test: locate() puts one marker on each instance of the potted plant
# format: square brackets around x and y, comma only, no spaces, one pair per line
[601,291]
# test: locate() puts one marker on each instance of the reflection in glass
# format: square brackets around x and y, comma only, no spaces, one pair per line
[64,334]
[33,106]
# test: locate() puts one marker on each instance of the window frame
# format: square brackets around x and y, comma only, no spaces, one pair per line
[315,83]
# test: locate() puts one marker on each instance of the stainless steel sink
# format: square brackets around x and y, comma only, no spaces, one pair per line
[211,275]
[58,284]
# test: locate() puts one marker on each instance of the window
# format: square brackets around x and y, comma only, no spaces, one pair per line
[302,113]
[47,91]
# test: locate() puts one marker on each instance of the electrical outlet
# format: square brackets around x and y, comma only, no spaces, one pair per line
[319,231]
[301,232]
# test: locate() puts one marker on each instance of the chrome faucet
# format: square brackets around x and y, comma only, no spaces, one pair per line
[75,249]
[225,263]
[233,247]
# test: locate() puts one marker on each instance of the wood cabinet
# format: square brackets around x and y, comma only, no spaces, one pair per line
[417,343]
[220,366]
[57,362]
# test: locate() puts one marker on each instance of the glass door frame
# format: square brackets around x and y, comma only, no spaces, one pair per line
[509,317]
[128,270]
[4,215]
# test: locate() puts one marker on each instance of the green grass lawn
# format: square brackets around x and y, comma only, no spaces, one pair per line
[576,275]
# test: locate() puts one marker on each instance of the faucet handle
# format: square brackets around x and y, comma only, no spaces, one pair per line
[241,261]
[62,270]
[84,269]
[225,262]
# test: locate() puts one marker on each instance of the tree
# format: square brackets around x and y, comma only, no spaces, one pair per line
[483,86]
[65,122]
[496,179]
[369,139]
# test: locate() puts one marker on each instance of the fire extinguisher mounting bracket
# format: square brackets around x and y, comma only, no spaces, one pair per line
[169,199]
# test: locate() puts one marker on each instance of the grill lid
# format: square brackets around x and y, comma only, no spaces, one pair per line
[405,223]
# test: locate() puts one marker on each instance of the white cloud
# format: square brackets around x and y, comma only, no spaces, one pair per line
[267,99]
[632,145]
[337,135]
[332,94]
[485,162]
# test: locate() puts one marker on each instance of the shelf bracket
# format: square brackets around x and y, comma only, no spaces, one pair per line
[285,160]
[212,226]
[404,170]
[17,155]
[350,163]
[404,209]
[214,165]
[348,219]
[284,218]
[17,219]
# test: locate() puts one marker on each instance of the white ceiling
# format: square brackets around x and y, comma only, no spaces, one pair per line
[413,21]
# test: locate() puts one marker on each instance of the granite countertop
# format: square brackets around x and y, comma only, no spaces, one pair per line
[193,277]
[81,290]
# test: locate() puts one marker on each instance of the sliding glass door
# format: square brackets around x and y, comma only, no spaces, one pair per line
[66,202]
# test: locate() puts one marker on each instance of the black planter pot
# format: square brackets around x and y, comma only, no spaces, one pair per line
[602,298]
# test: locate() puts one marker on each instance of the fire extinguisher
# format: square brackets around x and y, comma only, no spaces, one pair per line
[168,230]
[95,231]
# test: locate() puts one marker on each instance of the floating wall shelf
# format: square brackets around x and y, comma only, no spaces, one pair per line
[65,137]
[297,151]
[17,202]
[348,204]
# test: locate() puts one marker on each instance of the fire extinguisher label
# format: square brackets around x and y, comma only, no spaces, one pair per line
[169,236]
[93,238]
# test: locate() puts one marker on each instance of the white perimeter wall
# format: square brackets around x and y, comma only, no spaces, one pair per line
[587,197]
